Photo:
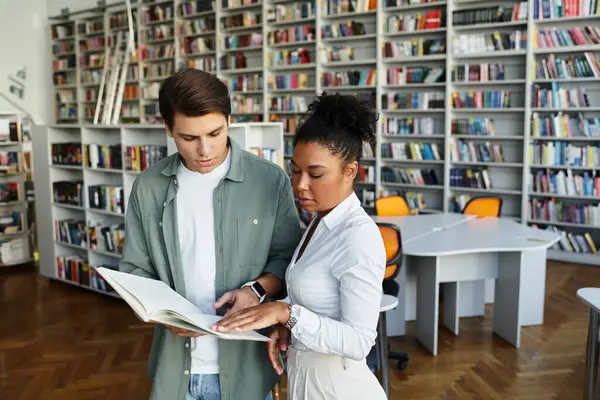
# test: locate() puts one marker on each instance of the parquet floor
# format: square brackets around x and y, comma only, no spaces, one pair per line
[60,342]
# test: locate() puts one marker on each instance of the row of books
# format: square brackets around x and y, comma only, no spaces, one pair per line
[551,9]
[481,99]
[289,81]
[488,42]
[107,198]
[246,19]
[414,48]
[243,83]
[484,72]
[573,67]
[366,174]
[557,97]
[572,242]
[411,151]
[291,12]
[476,126]
[197,26]
[349,78]
[491,15]
[564,183]
[554,210]
[76,269]
[103,156]
[562,125]
[564,154]
[410,176]
[95,236]
[477,178]
[552,37]
[412,100]
[343,29]
[246,104]
[433,19]
[461,150]
[401,75]
[408,126]
[293,34]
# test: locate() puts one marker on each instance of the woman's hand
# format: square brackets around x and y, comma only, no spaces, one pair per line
[253,318]
[279,343]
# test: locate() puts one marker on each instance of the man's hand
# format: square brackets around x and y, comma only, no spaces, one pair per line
[279,342]
[258,317]
[180,331]
[239,299]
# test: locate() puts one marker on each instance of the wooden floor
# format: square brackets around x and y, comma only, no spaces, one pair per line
[60,342]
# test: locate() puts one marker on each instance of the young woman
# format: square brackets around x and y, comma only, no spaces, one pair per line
[334,280]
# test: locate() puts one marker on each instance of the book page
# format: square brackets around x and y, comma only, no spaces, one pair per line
[153,294]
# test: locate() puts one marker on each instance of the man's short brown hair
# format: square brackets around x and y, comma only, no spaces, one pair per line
[193,93]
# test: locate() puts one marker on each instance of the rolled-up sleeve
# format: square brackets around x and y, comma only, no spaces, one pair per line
[359,266]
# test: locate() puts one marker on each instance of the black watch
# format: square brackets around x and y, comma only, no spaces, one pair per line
[258,290]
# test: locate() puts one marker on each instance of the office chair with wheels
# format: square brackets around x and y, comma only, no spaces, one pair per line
[392,239]
[483,207]
[392,206]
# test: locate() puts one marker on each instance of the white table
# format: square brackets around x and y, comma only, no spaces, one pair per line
[512,254]
[591,296]
[412,228]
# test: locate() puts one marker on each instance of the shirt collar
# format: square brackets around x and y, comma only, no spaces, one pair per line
[235,172]
[342,210]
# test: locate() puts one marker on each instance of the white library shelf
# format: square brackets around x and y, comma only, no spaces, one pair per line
[82,193]
[498,98]
[15,233]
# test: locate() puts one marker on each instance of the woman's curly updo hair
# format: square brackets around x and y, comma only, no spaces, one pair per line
[341,123]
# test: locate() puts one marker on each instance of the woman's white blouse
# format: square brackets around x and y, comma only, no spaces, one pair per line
[336,287]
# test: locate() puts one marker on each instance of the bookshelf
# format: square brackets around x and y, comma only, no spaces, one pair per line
[16,241]
[82,192]
[456,83]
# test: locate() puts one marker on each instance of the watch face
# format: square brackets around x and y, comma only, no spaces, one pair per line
[259,289]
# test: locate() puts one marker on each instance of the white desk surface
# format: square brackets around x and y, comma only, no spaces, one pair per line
[590,296]
[415,226]
[480,235]
[388,302]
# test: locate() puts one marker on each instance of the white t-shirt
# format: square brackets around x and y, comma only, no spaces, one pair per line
[195,220]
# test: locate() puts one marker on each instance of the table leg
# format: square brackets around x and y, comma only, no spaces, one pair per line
[383,352]
[428,297]
[591,360]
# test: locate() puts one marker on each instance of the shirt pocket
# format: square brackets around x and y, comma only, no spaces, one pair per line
[254,239]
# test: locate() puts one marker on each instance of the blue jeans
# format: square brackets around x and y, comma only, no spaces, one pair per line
[206,387]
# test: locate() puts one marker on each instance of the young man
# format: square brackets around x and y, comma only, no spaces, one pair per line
[217,224]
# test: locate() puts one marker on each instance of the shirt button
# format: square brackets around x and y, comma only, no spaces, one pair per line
[160,223]
[186,372]
[165,204]
[187,345]
[255,221]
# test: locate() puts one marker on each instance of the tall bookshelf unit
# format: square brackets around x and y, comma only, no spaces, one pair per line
[457,85]
[16,244]
[82,192]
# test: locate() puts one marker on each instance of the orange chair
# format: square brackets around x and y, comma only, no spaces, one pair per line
[392,206]
[392,239]
[483,207]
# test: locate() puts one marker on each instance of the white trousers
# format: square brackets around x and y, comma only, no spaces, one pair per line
[319,376]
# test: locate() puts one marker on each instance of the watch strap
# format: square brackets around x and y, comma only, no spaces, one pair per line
[258,290]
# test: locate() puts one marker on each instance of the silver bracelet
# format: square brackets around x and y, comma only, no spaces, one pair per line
[292,321]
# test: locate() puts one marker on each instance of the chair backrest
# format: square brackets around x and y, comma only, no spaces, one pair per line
[392,239]
[392,206]
[484,207]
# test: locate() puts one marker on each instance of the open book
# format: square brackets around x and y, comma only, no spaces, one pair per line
[153,300]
